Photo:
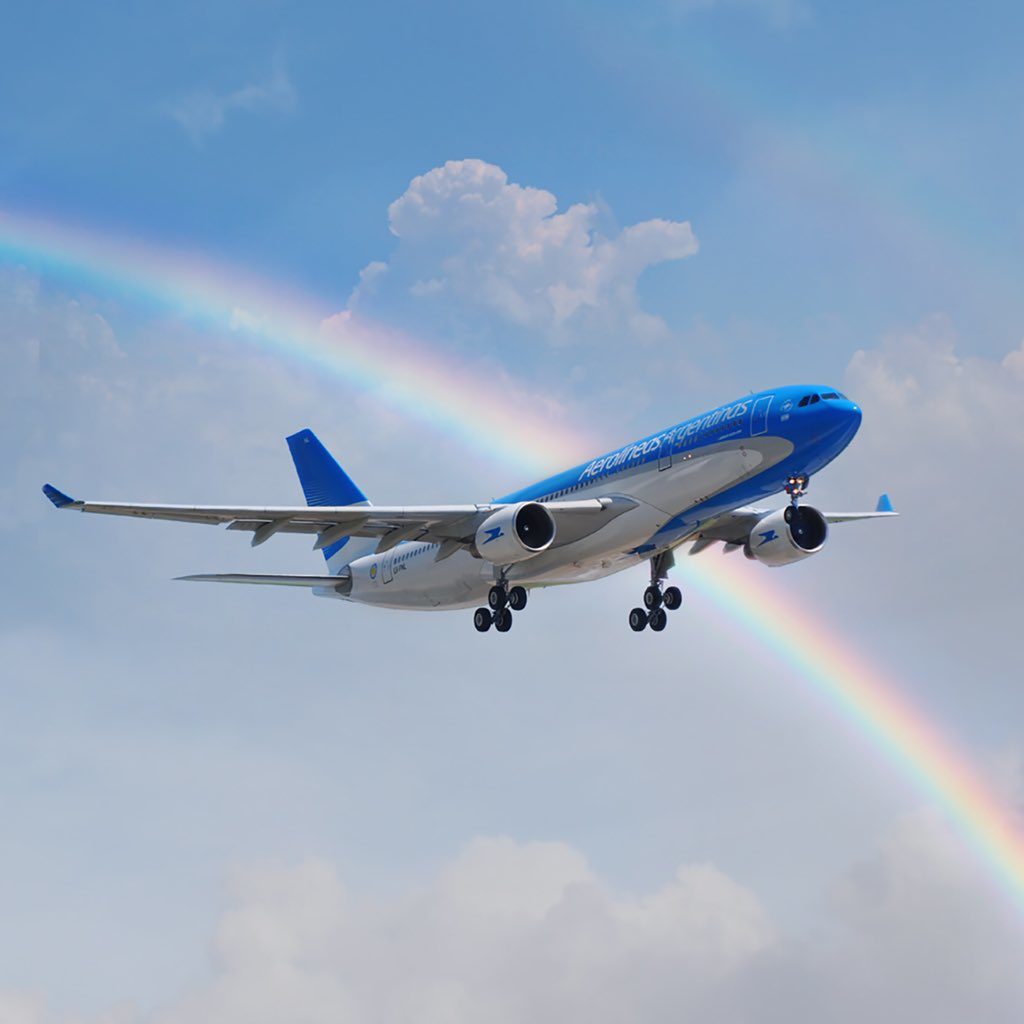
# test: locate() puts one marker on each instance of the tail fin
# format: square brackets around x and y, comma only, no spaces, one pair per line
[324,482]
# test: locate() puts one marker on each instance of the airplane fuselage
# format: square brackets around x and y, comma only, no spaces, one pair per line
[679,477]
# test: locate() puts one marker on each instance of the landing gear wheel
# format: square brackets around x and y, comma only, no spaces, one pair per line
[652,597]
[517,599]
[503,621]
[482,619]
[673,598]
[638,620]
[497,598]
[658,620]
[796,487]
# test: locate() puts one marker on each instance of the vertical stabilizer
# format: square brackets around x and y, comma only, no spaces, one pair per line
[324,482]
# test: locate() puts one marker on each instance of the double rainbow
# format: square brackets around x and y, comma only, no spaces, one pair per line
[423,383]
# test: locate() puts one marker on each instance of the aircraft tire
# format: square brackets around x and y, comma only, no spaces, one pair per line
[503,621]
[652,598]
[517,598]
[482,619]
[659,619]
[496,598]
[638,620]
[673,598]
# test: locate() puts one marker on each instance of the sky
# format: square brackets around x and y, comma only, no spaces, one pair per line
[544,230]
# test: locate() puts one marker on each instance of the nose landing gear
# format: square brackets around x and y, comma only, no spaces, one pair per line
[657,601]
[796,487]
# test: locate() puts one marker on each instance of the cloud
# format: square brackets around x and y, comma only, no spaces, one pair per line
[506,931]
[943,417]
[509,931]
[468,235]
[941,434]
[919,378]
[203,112]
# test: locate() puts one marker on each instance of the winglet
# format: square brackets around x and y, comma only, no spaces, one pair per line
[884,504]
[59,498]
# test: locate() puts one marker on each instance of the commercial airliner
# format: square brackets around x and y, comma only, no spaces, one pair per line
[693,483]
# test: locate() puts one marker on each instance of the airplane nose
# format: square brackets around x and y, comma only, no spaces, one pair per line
[849,415]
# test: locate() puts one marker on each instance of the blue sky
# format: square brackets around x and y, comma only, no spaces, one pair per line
[250,806]
[815,150]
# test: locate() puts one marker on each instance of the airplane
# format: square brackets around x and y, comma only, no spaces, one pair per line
[693,483]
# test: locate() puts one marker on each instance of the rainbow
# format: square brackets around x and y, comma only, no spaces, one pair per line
[404,373]
[415,378]
[860,694]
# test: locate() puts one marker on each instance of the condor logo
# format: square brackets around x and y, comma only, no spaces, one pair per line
[493,534]
[767,537]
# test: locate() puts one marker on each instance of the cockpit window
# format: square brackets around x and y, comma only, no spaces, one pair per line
[815,398]
[803,401]
[830,394]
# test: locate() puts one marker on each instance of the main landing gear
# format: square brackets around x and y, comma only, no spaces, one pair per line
[658,602]
[502,601]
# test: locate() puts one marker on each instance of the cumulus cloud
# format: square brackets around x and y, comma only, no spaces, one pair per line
[941,433]
[511,931]
[507,931]
[467,234]
[202,113]
[919,375]
[938,413]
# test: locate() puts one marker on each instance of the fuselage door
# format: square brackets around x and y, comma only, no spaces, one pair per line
[385,567]
[759,415]
[665,452]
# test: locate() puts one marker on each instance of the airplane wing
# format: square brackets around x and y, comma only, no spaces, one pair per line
[453,526]
[733,528]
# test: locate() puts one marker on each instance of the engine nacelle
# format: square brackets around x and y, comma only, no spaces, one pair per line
[788,535]
[515,532]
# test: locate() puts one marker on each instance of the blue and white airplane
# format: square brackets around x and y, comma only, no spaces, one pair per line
[694,482]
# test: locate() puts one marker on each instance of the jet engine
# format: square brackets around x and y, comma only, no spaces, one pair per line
[515,532]
[788,535]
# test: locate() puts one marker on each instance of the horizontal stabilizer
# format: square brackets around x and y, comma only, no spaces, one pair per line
[344,581]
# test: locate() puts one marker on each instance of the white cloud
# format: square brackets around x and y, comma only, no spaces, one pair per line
[941,434]
[938,413]
[466,233]
[203,112]
[511,931]
[507,931]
